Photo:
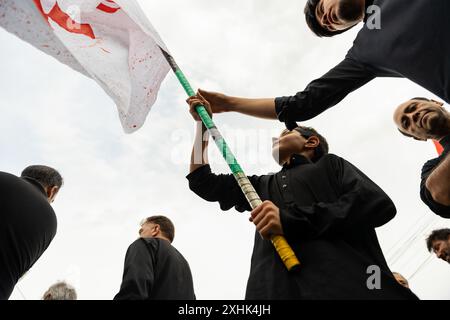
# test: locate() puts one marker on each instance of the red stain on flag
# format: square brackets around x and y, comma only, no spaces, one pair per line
[70,25]
[108,6]
[65,21]
[439,148]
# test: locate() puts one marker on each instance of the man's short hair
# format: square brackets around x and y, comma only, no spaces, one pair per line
[314,24]
[167,227]
[60,291]
[46,176]
[437,235]
[322,149]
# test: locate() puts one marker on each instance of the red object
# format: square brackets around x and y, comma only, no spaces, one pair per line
[70,25]
[104,7]
[439,148]
[65,21]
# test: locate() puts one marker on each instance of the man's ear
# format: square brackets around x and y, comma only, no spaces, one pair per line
[51,192]
[312,142]
[156,230]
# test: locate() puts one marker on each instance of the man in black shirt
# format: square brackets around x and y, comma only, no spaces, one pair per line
[325,207]
[412,41]
[154,269]
[424,119]
[27,221]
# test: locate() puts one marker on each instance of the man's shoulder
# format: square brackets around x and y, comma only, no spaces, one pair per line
[9,181]
[8,178]
[429,166]
[160,246]
[335,162]
[21,193]
[331,157]
[143,243]
[6,174]
[154,244]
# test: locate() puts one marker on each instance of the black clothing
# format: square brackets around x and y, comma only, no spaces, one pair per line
[27,226]
[155,270]
[427,169]
[329,211]
[413,42]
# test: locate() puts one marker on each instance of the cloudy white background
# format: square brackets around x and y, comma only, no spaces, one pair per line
[253,48]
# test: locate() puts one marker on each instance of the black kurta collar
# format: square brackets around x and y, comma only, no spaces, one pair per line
[296,160]
[35,183]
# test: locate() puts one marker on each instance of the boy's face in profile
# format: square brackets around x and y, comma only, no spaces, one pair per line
[287,144]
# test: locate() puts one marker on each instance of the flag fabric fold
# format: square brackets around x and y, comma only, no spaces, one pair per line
[111,42]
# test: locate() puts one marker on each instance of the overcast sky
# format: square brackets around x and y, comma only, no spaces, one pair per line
[254,48]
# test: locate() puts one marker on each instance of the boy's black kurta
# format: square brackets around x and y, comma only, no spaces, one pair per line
[329,211]
[427,169]
[155,270]
[27,226]
[413,42]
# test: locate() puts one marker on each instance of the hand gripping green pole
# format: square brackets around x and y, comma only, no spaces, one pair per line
[286,253]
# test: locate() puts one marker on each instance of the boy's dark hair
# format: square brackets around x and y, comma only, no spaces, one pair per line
[313,23]
[436,235]
[323,147]
[167,227]
[46,176]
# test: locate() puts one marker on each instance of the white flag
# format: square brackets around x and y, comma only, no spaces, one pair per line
[109,41]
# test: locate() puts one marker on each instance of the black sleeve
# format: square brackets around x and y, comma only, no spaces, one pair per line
[138,274]
[324,92]
[425,194]
[361,205]
[221,188]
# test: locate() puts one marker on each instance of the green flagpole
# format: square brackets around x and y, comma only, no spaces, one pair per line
[285,252]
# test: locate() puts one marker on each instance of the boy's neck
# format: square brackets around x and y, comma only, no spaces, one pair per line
[295,157]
